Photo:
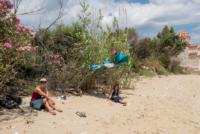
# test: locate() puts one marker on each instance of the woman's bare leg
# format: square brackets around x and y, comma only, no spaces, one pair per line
[124,103]
[53,106]
[45,103]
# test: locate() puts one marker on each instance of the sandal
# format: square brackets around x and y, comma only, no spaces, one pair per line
[79,114]
[83,114]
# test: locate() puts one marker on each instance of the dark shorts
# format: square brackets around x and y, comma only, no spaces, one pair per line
[37,104]
[116,99]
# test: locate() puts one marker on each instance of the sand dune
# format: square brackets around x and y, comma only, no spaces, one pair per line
[166,105]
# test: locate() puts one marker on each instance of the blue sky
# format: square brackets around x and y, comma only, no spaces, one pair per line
[190,27]
[148,17]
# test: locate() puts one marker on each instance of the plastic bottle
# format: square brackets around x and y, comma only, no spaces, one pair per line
[23,102]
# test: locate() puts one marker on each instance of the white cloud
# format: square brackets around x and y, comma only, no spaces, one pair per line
[157,13]
[196,29]
[151,16]
[195,38]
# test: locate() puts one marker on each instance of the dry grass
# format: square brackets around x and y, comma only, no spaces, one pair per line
[153,63]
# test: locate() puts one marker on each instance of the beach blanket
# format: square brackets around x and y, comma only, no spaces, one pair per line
[120,58]
[106,64]
[94,67]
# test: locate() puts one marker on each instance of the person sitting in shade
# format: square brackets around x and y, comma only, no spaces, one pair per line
[40,98]
[114,96]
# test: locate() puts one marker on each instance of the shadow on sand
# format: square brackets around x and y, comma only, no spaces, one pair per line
[16,115]
[102,96]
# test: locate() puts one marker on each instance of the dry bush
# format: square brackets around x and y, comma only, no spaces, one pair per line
[175,68]
[153,63]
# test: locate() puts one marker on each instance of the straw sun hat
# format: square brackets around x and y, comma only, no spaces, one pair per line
[43,79]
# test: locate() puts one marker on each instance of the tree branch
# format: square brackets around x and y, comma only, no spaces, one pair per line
[16,5]
[36,10]
[62,4]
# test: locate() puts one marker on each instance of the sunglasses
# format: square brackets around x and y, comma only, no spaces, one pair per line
[43,82]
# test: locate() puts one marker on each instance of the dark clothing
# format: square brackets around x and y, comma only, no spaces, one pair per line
[37,104]
[116,99]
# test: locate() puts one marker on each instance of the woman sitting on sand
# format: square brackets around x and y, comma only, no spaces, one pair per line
[37,101]
[114,96]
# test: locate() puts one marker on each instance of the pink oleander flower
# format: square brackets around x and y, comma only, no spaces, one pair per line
[26,28]
[2,10]
[27,48]
[15,33]
[8,10]
[32,34]
[17,20]
[62,68]
[0,5]
[17,53]
[3,2]
[51,56]
[57,56]
[18,29]
[21,48]
[10,4]
[58,61]
[19,25]
[32,48]
[79,89]
[50,63]
[22,30]
[8,45]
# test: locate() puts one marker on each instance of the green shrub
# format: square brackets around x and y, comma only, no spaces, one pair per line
[82,47]
[164,60]
[136,66]
[175,68]
[31,87]
[147,73]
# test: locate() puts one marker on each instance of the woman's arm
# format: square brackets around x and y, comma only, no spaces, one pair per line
[46,91]
[42,93]
[110,95]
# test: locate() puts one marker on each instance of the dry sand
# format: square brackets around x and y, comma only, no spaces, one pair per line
[167,105]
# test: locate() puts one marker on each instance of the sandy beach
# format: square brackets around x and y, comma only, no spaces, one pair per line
[159,105]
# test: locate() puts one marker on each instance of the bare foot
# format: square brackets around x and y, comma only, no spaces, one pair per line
[125,104]
[53,113]
[59,110]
